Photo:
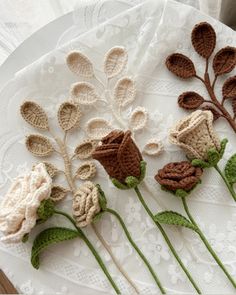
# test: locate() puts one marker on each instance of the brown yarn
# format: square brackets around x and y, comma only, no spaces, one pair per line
[119,155]
[203,39]
[180,65]
[224,60]
[179,175]
[229,88]
[190,100]
[216,114]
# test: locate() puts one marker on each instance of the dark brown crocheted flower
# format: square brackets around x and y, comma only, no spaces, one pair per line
[179,175]
[119,155]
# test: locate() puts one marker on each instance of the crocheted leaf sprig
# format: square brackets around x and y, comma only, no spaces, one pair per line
[123,162]
[204,40]
[115,90]
[179,178]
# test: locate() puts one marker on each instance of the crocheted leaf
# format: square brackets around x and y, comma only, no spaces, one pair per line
[216,114]
[48,237]
[173,218]
[97,217]
[213,157]
[86,171]
[79,64]
[34,114]
[45,210]
[204,39]
[115,61]
[98,128]
[132,181]
[224,60]
[229,88]
[51,169]
[124,92]
[138,119]
[102,198]
[181,193]
[58,193]
[39,145]
[143,166]
[234,106]
[230,169]
[119,185]
[200,163]
[153,147]
[68,115]
[223,146]
[85,149]
[84,93]
[180,65]
[190,100]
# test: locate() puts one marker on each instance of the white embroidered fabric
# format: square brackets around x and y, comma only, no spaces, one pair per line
[149,31]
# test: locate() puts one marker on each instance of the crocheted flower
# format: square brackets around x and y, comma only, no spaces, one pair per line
[195,135]
[119,155]
[179,175]
[18,210]
[86,204]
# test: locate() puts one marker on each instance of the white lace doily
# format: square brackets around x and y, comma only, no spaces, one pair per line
[149,31]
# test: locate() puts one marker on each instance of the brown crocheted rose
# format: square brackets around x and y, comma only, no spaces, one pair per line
[179,175]
[119,155]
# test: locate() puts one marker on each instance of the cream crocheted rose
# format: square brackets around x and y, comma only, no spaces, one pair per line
[18,210]
[86,204]
[195,135]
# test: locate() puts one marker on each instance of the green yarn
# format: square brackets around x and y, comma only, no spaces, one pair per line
[102,198]
[45,210]
[48,237]
[223,146]
[174,218]
[230,170]
[131,181]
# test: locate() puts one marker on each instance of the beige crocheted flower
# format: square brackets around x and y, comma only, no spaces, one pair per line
[18,210]
[195,135]
[86,204]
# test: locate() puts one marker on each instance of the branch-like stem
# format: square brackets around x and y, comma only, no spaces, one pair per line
[230,188]
[115,261]
[144,259]
[171,247]
[92,249]
[208,246]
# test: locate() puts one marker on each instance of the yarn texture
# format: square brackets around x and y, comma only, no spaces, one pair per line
[86,204]
[195,135]
[179,175]
[18,210]
[119,155]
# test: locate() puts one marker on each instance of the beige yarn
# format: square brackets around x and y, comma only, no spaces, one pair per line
[86,204]
[18,210]
[86,171]
[195,134]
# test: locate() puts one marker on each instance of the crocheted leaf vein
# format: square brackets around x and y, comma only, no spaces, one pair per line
[173,218]
[230,169]
[48,237]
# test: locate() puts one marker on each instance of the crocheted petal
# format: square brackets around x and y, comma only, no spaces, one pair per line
[168,183]
[107,156]
[129,156]
[116,136]
[188,183]
[213,135]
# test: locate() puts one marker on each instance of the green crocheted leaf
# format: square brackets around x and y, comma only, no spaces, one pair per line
[98,216]
[230,169]
[143,165]
[200,163]
[45,210]
[213,157]
[102,198]
[118,184]
[173,218]
[181,193]
[223,146]
[48,237]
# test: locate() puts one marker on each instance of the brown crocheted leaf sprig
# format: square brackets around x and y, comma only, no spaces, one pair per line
[204,41]
[179,176]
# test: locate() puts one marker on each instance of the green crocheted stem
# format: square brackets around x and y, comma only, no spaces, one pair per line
[171,247]
[228,185]
[137,249]
[92,249]
[208,246]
